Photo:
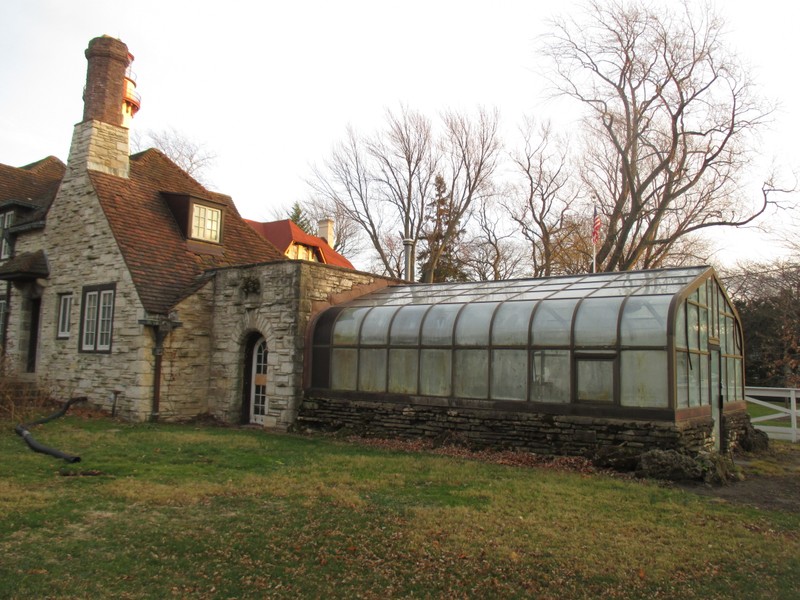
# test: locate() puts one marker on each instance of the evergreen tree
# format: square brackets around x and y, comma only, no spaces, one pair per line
[299,217]
[440,261]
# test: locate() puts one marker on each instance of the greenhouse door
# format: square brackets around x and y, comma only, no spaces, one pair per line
[716,396]
[258,383]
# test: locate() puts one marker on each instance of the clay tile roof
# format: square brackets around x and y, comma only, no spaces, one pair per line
[33,186]
[284,233]
[165,268]
[28,265]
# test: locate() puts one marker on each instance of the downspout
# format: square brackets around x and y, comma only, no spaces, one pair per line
[161,326]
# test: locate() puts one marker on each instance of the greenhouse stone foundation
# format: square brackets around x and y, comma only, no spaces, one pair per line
[503,429]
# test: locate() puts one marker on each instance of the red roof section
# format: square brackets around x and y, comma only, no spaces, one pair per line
[35,185]
[164,266]
[283,233]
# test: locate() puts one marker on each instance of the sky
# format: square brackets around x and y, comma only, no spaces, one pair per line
[271,87]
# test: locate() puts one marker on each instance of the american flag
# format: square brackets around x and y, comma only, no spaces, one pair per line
[596,223]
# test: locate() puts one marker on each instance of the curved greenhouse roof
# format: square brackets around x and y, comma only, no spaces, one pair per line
[624,342]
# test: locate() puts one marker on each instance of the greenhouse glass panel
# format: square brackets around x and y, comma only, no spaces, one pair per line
[723,379]
[550,376]
[693,325]
[644,321]
[680,326]
[403,365]
[471,373]
[553,322]
[644,378]
[703,329]
[682,377]
[346,329]
[437,329]
[375,329]
[731,379]
[509,375]
[704,377]
[511,324]
[406,325]
[739,379]
[595,380]
[596,322]
[694,380]
[472,327]
[344,366]
[435,372]
[372,370]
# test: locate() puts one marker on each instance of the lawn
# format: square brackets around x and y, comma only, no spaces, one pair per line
[159,511]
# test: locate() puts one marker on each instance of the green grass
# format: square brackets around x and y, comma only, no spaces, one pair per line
[196,512]
[756,410]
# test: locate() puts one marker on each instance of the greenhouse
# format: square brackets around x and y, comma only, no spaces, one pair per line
[633,357]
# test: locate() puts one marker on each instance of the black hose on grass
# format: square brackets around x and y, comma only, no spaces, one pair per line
[22,430]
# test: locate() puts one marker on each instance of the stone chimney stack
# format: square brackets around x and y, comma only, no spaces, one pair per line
[100,142]
[325,230]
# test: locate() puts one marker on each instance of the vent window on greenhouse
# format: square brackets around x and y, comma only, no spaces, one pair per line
[648,345]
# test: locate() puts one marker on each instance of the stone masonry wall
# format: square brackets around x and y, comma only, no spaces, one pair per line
[476,427]
[82,251]
[291,292]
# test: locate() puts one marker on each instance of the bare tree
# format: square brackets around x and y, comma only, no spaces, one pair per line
[541,206]
[492,253]
[191,156]
[669,112]
[385,182]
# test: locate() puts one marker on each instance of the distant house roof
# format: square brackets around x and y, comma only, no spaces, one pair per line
[33,187]
[165,268]
[283,233]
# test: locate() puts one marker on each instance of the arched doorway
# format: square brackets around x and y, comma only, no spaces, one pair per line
[255,402]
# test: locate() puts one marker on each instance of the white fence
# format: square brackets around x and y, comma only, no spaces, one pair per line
[788,411]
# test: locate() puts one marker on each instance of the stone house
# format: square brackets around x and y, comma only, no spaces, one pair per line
[128,282]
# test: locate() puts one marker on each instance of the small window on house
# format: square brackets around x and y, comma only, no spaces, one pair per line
[6,221]
[64,312]
[97,318]
[206,223]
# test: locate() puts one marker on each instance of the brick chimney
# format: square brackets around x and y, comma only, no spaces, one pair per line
[100,142]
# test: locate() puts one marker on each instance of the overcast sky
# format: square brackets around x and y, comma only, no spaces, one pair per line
[270,88]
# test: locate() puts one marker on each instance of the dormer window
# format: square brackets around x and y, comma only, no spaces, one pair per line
[206,223]
[6,220]
[201,220]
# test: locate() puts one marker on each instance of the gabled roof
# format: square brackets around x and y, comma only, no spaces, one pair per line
[33,186]
[165,268]
[283,233]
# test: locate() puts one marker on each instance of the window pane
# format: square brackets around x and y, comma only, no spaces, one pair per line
[372,370]
[406,326]
[205,223]
[437,330]
[472,328]
[703,328]
[693,326]
[435,372]
[344,366]
[550,377]
[89,320]
[403,371]
[705,377]
[472,373]
[643,376]
[64,314]
[596,322]
[682,376]
[511,324]
[694,380]
[106,316]
[509,374]
[596,380]
[346,329]
[375,329]
[553,322]
[680,326]
[644,321]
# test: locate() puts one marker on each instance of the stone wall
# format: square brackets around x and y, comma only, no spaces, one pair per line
[490,428]
[82,251]
[290,293]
